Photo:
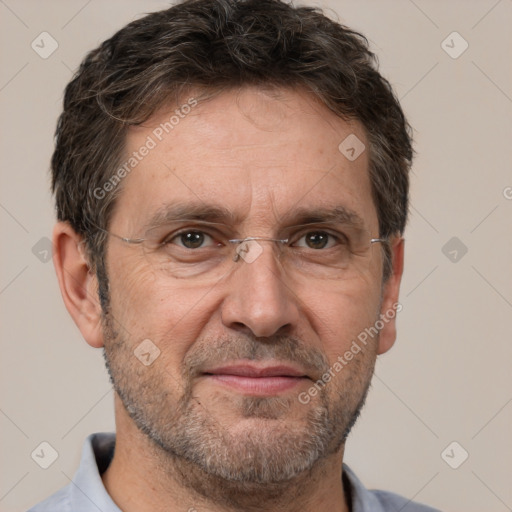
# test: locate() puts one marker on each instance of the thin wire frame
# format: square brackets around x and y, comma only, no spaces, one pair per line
[247,249]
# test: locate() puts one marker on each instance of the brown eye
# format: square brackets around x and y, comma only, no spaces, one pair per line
[316,240]
[191,239]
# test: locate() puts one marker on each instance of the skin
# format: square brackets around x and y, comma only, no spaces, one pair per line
[261,154]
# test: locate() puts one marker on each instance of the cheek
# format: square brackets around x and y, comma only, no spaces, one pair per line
[131,287]
[339,316]
[167,313]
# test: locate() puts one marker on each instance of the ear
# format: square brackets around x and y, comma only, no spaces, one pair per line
[78,283]
[390,306]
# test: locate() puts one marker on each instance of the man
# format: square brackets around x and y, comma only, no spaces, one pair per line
[231,181]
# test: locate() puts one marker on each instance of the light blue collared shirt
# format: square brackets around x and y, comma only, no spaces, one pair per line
[86,492]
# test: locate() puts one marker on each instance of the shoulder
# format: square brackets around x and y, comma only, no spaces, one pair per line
[85,493]
[364,500]
[58,501]
[392,502]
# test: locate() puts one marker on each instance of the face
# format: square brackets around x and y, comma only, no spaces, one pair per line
[241,349]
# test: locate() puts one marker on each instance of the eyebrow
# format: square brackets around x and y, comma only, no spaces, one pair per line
[338,214]
[176,212]
[179,211]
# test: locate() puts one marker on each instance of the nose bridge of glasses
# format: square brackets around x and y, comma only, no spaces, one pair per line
[262,238]
[249,249]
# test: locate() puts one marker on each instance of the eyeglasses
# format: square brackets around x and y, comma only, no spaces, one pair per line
[206,251]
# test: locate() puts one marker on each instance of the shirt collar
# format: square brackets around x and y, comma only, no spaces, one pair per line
[87,487]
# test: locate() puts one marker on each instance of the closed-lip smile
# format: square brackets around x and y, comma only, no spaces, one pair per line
[257,379]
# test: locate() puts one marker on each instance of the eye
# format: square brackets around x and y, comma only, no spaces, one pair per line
[317,240]
[190,239]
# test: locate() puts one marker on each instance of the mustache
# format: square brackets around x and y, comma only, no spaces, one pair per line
[285,349]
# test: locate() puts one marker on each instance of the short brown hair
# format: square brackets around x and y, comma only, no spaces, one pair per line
[217,44]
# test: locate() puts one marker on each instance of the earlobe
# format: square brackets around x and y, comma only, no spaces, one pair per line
[78,283]
[390,297]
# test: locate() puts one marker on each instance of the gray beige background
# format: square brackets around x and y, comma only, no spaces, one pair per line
[447,379]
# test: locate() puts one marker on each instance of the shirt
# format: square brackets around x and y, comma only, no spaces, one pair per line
[86,492]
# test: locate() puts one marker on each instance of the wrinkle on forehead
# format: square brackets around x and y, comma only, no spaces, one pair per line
[222,152]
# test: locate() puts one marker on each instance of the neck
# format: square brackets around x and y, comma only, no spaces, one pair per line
[143,477]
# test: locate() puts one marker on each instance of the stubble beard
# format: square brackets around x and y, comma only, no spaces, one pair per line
[275,459]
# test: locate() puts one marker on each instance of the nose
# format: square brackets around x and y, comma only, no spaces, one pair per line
[259,298]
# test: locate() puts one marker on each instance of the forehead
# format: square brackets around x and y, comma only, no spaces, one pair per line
[260,154]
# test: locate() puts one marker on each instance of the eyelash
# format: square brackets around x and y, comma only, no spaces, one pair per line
[174,236]
[339,238]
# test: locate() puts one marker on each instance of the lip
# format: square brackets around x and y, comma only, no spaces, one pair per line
[257,380]
[250,370]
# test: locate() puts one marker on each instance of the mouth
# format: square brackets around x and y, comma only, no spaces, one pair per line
[252,379]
